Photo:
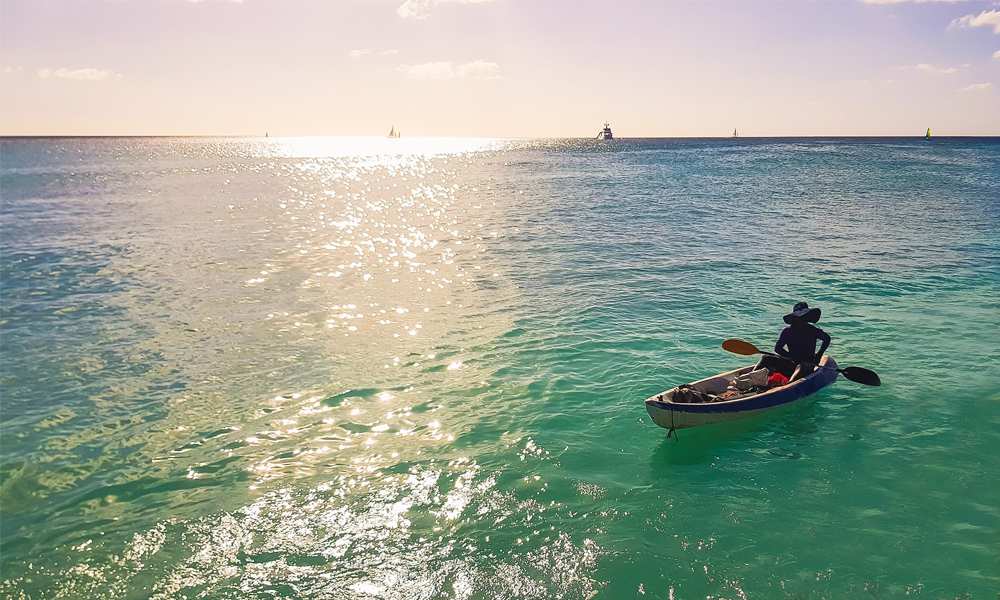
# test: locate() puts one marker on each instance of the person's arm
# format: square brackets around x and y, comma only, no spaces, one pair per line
[779,346]
[825,339]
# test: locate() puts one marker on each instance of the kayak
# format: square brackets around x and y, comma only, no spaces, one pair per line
[671,414]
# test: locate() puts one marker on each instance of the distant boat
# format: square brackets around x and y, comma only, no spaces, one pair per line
[605,134]
[928,136]
[734,134]
[392,132]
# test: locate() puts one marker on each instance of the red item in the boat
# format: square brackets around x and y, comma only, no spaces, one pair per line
[776,380]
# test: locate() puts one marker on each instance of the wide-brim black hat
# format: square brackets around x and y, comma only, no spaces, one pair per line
[802,312]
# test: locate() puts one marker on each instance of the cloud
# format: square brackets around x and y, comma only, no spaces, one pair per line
[977,87]
[984,19]
[19,69]
[79,74]
[421,9]
[477,69]
[932,69]
[363,51]
[996,54]
[434,70]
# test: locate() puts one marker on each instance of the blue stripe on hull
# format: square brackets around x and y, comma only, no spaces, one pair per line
[682,416]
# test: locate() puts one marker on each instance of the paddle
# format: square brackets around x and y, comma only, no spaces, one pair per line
[855,374]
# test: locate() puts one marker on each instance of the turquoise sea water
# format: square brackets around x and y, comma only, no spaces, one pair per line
[415,368]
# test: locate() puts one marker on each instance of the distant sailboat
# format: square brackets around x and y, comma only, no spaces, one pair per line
[392,132]
[928,136]
[734,133]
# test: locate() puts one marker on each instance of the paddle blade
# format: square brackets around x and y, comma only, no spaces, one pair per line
[740,347]
[863,376]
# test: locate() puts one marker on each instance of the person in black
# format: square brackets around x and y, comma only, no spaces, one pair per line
[797,344]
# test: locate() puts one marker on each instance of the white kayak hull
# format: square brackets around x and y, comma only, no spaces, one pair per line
[677,415]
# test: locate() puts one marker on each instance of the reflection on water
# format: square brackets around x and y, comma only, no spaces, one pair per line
[378,150]
[309,334]
[415,533]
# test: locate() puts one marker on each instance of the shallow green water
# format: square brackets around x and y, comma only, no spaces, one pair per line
[358,368]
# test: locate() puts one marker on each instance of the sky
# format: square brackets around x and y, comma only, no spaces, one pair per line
[500,68]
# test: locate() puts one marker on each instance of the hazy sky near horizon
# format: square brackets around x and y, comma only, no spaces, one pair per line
[499,68]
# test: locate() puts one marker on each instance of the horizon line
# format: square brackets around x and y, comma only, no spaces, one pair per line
[679,137]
